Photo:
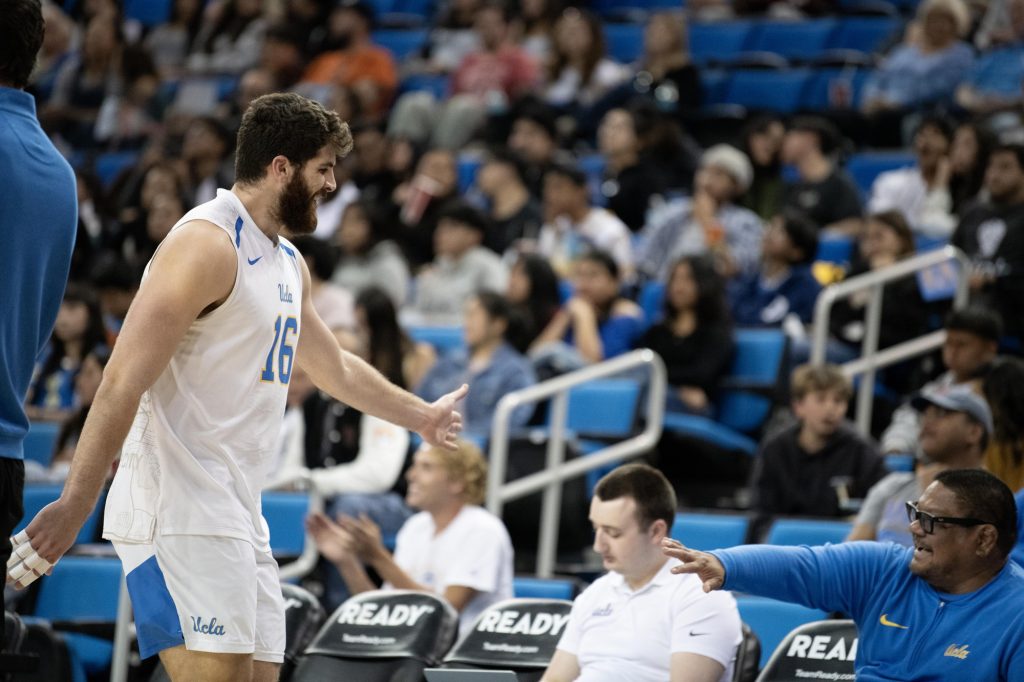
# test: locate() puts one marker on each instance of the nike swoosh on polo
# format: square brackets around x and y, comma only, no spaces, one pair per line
[884,620]
[698,634]
[253,261]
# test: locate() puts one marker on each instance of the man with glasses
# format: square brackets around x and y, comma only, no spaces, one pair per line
[949,608]
[955,424]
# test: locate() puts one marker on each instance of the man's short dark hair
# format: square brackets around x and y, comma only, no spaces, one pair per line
[1014,147]
[803,234]
[986,498]
[539,113]
[940,122]
[826,132]
[652,492]
[21,36]
[570,173]
[464,213]
[982,322]
[506,157]
[288,125]
[604,259]
[320,254]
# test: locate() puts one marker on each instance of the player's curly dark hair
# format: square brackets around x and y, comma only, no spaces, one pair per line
[21,35]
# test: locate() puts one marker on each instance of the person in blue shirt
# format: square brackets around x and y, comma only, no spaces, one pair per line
[785,285]
[949,608]
[490,364]
[38,220]
[994,82]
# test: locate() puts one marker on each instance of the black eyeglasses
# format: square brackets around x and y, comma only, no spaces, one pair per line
[928,521]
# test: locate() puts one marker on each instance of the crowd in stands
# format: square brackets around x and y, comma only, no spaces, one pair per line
[512,177]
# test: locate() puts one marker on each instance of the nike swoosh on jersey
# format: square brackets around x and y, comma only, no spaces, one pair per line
[253,261]
[884,620]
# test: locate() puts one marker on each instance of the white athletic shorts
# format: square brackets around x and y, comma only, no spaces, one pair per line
[211,594]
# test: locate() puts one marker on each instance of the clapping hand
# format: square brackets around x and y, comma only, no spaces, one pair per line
[706,566]
[333,541]
[365,534]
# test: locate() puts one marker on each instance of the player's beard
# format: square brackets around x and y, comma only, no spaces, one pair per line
[296,207]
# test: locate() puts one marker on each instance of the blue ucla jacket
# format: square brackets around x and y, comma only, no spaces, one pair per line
[908,630]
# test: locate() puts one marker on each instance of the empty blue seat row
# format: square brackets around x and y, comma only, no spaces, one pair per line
[402,43]
[784,91]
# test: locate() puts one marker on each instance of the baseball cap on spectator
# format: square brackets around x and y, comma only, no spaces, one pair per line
[732,161]
[957,399]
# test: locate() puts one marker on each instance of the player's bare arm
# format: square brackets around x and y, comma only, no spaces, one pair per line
[354,382]
[193,271]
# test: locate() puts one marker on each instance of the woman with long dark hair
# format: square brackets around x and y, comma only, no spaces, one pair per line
[367,256]
[1003,386]
[580,71]
[384,344]
[968,159]
[533,290]
[77,332]
[694,339]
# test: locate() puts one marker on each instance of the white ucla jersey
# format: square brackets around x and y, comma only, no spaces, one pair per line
[197,454]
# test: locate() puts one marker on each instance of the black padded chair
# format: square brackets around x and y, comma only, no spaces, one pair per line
[516,634]
[303,617]
[823,650]
[380,636]
[748,657]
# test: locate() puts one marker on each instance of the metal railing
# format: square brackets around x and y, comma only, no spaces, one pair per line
[557,470]
[871,359]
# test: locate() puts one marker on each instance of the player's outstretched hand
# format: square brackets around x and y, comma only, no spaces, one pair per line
[445,423]
[44,541]
[707,567]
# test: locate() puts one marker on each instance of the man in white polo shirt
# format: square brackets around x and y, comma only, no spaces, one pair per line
[636,622]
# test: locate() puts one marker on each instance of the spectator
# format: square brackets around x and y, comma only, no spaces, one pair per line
[451,38]
[514,213]
[580,72]
[353,60]
[710,221]
[695,338]
[1003,387]
[419,201]
[255,82]
[992,236]
[58,47]
[533,137]
[77,332]
[490,364]
[206,155]
[161,178]
[230,39]
[784,287]
[385,345]
[367,256]
[597,323]
[631,178]
[98,232]
[968,159]
[994,82]
[574,226]
[116,283]
[823,191]
[281,56]
[462,267]
[816,466]
[762,142]
[171,41]
[536,24]
[964,527]
[921,193]
[128,118]
[369,160]
[955,429]
[533,291]
[673,627]
[970,346]
[924,70]
[332,302]
[887,239]
[485,81]
[452,547]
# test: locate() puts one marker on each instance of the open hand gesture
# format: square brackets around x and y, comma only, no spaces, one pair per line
[333,541]
[706,566]
[445,422]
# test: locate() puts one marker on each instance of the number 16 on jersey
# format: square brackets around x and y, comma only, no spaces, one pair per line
[285,354]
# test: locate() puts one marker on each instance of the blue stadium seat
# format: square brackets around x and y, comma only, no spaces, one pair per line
[421,8]
[286,516]
[444,339]
[899,462]
[710,531]
[530,587]
[38,496]
[713,86]
[818,95]
[435,84]
[625,41]
[605,408]
[718,42]
[652,301]
[864,167]
[83,589]
[746,397]
[866,34]
[794,39]
[835,248]
[760,90]
[40,441]
[469,164]
[772,620]
[401,43]
[109,166]
[148,12]
[807,532]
